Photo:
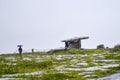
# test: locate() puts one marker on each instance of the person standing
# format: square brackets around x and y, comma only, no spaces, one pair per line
[32,50]
[20,51]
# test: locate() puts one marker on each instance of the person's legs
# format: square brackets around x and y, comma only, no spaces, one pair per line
[20,53]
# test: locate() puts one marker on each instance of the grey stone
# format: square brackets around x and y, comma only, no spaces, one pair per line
[60,68]
[81,64]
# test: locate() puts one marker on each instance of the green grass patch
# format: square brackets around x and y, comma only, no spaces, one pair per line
[115,56]
[25,66]
[63,76]
[85,51]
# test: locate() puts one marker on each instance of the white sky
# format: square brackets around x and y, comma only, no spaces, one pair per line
[42,24]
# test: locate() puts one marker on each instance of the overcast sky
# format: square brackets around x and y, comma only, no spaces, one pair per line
[42,24]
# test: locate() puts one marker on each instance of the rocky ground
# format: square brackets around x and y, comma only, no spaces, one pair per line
[95,66]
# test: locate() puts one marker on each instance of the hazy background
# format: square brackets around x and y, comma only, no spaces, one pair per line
[42,24]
